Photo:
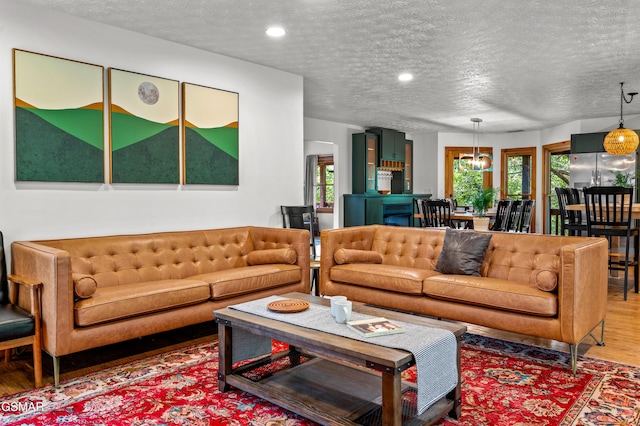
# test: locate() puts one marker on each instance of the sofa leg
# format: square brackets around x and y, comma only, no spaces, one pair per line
[573,349]
[56,371]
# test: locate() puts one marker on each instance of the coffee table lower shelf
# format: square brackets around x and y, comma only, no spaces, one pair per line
[334,393]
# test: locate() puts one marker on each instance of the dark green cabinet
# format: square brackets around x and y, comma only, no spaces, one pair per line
[391,144]
[364,163]
[370,209]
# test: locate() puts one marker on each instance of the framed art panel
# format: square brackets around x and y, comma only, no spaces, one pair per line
[144,137]
[59,119]
[210,135]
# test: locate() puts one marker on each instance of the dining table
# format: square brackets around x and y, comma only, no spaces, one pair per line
[463,219]
[635,209]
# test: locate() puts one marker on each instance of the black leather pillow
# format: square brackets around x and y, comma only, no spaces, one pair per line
[462,252]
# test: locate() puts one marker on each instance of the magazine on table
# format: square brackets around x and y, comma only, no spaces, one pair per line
[375,327]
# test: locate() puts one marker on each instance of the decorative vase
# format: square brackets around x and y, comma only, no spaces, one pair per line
[481,223]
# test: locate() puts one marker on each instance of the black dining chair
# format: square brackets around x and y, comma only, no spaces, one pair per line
[513,221]
[301,217]
[19,327]
[503,210]
[609,211]
[437,213]
[419,209]
[571,221]
[526,214]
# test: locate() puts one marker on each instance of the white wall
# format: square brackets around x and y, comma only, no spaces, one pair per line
[270,136]
[425,163]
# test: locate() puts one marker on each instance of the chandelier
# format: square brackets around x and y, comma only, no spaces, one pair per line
[476,161]
[621,141]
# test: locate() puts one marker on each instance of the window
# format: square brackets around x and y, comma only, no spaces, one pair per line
[519,175]
[324,187]
[460,184]
[556,174]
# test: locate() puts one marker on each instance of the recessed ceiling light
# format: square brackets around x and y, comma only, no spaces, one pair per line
[405,77]
[275,31]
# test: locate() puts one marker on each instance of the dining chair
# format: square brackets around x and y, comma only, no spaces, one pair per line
[19,327]
[503,209]
[513,221]
[609,210]
[571,222]
[526,214]
[419,208]
[301,217]
[437,213]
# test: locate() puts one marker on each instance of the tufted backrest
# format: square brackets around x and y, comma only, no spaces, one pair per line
[411,247]
[511,256]
[124,259]
[514,256]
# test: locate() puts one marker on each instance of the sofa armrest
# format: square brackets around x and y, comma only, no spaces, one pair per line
[52,268]
[357,237]
[264,238]
[582,287]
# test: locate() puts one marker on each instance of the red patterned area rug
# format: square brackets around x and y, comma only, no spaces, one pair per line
[503,384]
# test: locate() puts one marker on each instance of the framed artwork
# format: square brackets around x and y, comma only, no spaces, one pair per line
[210,135]
[144,131]
[59,119]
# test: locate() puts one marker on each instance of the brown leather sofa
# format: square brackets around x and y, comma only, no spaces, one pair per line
[102,290]
[393,267]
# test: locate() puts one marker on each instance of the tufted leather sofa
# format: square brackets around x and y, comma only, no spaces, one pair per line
[507,295]
[102,290]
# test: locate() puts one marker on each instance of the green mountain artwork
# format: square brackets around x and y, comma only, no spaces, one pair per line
[65,145]
[143,151]
[211,155]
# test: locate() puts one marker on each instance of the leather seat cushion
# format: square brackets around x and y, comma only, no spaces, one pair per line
[15,323]
[400,279]
[128,300]
[249,279]
[495,293]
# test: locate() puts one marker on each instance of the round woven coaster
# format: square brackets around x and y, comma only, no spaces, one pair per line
[288,305]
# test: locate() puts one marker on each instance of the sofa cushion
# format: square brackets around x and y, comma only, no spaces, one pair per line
[249,279]
[545,280]
[494,293]
[342,256]
[128,300]
[270,256]
[83,285]
[398,279]
[462,252]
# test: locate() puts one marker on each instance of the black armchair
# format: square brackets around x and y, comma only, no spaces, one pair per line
[17,326]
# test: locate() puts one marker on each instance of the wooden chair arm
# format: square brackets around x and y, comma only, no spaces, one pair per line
[25,281]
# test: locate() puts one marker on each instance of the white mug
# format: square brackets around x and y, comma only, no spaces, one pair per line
[334,299]
[343,311]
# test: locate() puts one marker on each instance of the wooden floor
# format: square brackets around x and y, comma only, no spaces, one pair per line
[622,338]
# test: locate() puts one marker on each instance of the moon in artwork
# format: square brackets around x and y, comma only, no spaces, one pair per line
[148,93]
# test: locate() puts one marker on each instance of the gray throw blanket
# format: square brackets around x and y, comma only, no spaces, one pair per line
[433,349]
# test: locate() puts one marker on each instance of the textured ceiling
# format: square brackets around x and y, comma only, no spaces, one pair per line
[518,65]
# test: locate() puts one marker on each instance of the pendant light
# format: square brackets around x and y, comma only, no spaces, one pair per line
[476,161]
[622,141]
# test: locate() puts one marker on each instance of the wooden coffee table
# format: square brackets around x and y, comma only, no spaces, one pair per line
[345,381]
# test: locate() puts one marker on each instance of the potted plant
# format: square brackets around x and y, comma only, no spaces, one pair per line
[624,179]
[481,202]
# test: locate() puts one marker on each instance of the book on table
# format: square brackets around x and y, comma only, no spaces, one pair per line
[375,327]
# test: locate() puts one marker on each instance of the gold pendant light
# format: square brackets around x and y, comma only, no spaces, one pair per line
[621,141]
[476,161]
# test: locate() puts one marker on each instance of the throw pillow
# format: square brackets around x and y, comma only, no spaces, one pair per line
[343,255]
[544,279]
[83,285]
[272,256]
[462,252]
